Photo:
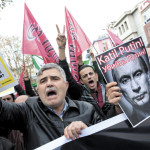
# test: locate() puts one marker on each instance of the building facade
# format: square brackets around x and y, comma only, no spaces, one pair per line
[135,23]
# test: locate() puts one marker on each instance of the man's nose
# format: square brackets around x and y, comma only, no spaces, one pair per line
[88,75]
[135,85]
[49,82]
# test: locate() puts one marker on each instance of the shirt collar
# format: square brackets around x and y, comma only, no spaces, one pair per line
[62,112]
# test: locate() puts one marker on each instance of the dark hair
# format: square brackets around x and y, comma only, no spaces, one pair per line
[82,67]
[13,96]
[139,58]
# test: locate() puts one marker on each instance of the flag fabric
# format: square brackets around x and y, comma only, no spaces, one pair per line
[21,80]
[37,62]
[77,42]
[114,38]
[76,34]
[35,41]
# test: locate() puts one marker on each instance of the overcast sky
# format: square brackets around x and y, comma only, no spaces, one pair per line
[91,15]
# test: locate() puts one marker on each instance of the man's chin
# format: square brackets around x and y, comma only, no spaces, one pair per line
[91,87]
[50,103]
[142,103]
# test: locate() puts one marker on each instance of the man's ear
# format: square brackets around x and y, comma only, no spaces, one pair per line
[67,84]
[81,81]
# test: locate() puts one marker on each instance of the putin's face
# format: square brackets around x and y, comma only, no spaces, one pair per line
[133,81]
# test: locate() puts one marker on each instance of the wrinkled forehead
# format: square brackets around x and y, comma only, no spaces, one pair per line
[50,72]
[128,68]
[130,63]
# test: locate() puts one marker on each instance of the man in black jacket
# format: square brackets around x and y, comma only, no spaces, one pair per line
[51,115]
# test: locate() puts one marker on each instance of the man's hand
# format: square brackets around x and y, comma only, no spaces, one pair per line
[79,60]
[61,38]
[113,93]
[92,55]
[25,71]
[74,129]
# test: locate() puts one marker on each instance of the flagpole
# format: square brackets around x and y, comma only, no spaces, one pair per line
[95,49]
[23,58]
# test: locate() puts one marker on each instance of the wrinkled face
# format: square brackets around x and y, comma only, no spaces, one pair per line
[52,88]
[7,98]
[89,78]
[133,81]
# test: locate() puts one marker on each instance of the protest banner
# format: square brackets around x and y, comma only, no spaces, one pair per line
[7,92]
[7,78]
[59,143]
[115,133]
[128,65]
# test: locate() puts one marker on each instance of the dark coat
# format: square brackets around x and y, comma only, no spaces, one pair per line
[39,124]
[5,144]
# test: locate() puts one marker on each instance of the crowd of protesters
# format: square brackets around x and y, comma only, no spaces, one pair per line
[60,106]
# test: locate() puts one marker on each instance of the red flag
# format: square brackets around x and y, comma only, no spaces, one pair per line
[35,41]
[77,42]
[21,81]
[114,38]
[77,34]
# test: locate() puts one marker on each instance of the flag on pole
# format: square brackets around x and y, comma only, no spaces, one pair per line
[114,38]
[37,62]
[77,42]
[35,41]
[76,34]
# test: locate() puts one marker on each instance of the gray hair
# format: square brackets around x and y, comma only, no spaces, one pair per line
[51,66]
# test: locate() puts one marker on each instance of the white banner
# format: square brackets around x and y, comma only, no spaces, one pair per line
[88,131]
[7,79]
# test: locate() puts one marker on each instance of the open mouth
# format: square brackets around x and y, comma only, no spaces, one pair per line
[51,92]
[91,82]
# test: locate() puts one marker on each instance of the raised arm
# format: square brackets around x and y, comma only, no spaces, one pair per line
[74,89]
[27,82]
